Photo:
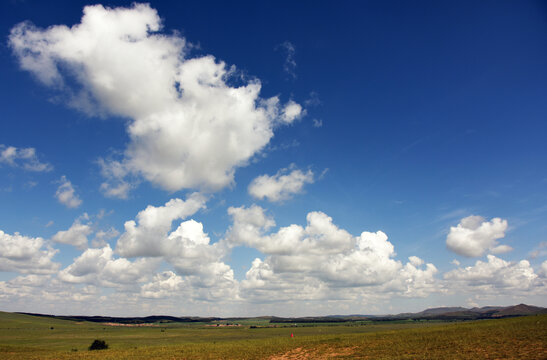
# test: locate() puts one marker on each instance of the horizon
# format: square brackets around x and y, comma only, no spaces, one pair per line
[251,158]
[266,316]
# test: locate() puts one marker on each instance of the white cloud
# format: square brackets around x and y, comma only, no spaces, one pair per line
[102,236]
[543,269]
[189,128]
[474,236]
[200,274]
[415,281]
[98,267]
[119,190]
[66,194]
[46,294]
[187,248]
[281,186]
[31,280]
[22,287]
[198,263]
[415,261]
[76,235]
[248,225]
[24,158]
[147,235]
[26,255]
[322,261]
[496,276]
[370,263]
[163,285]
[316,263]
[501,249]
[263,284]
[292,111]
[116,185]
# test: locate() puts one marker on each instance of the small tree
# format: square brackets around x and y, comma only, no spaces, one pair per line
[98,345]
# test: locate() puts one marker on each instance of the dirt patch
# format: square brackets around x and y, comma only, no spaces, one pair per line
[321,353]
[130,325]
[293,354]
[341,352]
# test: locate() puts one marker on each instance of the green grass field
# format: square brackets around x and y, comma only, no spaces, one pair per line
[30,337]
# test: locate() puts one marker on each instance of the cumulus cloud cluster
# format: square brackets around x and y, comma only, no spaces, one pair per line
[314,262]
[148,235]
[187,248]
[474,235]
[281,186]
[163,285]
[495,276]
[189,127]
[24,158]
[99,267]
[309,262]
[26,255]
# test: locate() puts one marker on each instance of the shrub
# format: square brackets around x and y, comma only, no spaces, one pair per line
[98,345]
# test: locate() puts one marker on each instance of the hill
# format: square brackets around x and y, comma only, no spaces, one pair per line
[439,313]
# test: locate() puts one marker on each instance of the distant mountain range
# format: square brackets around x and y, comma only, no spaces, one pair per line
[487,311]
[441,313]
[461,313]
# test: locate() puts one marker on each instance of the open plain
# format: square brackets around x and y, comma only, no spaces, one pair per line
[32,337]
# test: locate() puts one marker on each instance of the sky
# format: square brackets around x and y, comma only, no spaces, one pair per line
[272,158]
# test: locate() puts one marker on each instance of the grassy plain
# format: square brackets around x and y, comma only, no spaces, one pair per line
[30,337]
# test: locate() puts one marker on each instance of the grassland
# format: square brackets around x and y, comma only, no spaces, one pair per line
[30,337]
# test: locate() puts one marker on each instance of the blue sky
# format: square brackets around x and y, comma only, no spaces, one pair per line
[375,158]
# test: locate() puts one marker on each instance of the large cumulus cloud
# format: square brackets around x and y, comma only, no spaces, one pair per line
[189,126]
[187,248]
[148,234]
[497,276]
[322,261]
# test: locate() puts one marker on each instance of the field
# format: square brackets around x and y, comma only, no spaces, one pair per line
[30,337]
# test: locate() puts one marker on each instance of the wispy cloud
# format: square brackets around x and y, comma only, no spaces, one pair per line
[24,158]
[289,66]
